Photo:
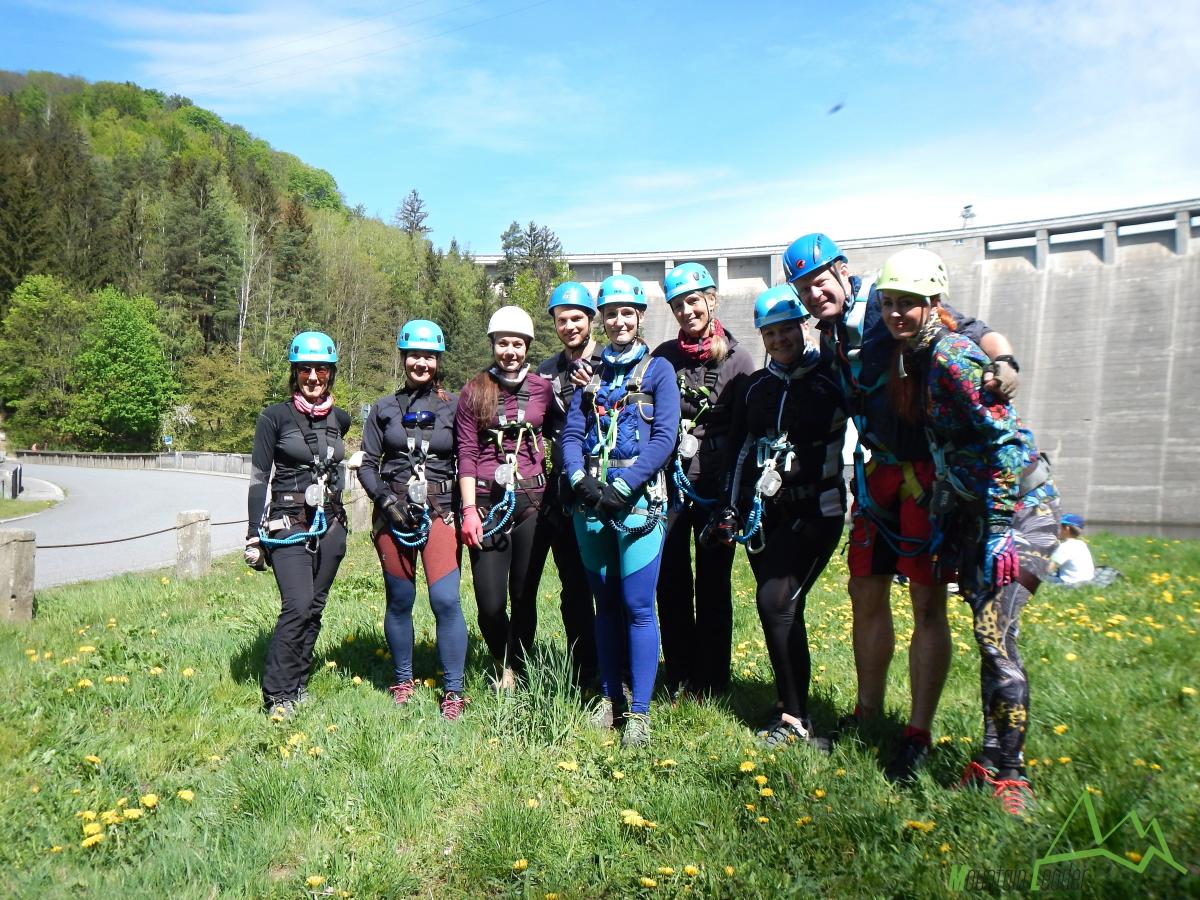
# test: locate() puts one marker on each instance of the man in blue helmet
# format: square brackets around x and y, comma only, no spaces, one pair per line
[891,523]
[572,309]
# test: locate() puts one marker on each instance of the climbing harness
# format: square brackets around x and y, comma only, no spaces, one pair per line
[704,398]
[508,473]
[417,490]
[315,494]
[770,453]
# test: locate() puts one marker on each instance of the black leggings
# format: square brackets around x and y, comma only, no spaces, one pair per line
[500,571]
[556,533]
[795,554]
[304,580]
[695,615]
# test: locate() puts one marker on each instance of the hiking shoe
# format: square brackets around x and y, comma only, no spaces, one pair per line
[403,691]
[978,774]
[637,730]
[453,704]
[604,715]
[279,709]
[1015,794]
[909,757]
[784,733]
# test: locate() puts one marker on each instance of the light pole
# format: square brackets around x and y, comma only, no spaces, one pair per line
[967,214]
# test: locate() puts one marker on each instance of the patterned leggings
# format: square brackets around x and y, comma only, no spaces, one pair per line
[997,623]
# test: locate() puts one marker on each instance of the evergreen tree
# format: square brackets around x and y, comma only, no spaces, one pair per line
[411,215]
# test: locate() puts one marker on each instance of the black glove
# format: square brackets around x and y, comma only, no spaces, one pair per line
[396,511]
[611,502]
[720,530]
[589,490]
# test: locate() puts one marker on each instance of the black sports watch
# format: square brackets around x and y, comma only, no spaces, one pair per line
[1010,359]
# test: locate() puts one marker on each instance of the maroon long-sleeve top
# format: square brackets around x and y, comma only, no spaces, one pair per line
[478,456]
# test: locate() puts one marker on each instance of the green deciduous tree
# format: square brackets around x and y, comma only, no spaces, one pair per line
[121,384]
[39,339]
[222,401]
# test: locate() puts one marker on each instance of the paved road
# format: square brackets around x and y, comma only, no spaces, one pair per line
[102,504]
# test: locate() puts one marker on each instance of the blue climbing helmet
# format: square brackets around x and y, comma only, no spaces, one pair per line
[312,346]
[572,293]
[685,278]
[622,290]
[1073,520]
[809,253]
[778,304]
[421,334]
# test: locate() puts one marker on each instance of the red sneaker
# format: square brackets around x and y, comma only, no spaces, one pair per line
[977,775]
[453,704]
[1015,795]
[403,691]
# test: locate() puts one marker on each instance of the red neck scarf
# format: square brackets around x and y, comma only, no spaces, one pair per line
[316,410]
[701,350]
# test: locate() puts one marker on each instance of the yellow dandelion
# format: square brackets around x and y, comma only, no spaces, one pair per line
[1071,657]
[165,580]
[132,815]
[840,772]
[665,870]
[1188,691]
[819,793]
[1060,729]
[568,765]
[188,672]
[750,806]
[763,820]
[520,865]
[357,679]
[667,763]
[1133,856]
[550,896]
[87,648]
[617,774]
[91,840]
[84,683]
[285,752]
[747,766]
[149,801]
[430,683]
[35,788]
[729,870]
[533,803]
[92,758]
[86,814]
[917,825]
[331,664]
[945,848]
[1155,767]
[57,848]
[314,881]
[315,751]
[330,729]
[648,882]
[691,871]
[760,779]
[766,792]
[804,820]
[156,670]
[1063,760]
[110,817]
[92,828]
[185,795]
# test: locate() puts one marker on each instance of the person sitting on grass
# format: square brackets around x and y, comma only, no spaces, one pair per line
[1071,564]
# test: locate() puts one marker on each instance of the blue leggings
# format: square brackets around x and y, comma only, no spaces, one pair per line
[623,571]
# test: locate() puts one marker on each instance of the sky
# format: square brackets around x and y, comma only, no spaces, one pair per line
[632,125]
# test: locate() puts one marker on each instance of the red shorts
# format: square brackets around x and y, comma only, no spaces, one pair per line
[894,491]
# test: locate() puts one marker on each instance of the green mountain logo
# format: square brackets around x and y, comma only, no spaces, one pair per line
[1150,832]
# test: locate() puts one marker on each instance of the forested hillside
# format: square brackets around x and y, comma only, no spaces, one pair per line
[155,260]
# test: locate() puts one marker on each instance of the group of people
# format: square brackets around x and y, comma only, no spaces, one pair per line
[627,462]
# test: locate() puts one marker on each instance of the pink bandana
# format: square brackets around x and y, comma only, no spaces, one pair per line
[316,410]
[700,350]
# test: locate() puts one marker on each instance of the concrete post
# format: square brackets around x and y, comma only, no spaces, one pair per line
[722,273]
[193,543]
[668,265]
[16,575]
[1183,231]
[1042,251]
[616,267]
[1109,244]
[358,506]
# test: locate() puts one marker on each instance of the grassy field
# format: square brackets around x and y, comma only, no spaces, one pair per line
[12,508]
[129,722]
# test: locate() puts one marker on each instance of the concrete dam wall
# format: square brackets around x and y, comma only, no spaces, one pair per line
[1103,310]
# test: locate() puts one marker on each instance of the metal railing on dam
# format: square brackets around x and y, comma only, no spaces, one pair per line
[1100,307]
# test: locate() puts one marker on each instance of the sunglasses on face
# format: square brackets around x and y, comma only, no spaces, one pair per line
[318,369]
[422,419]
